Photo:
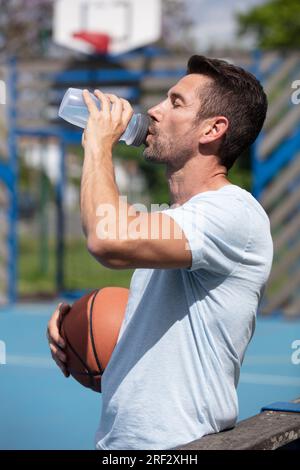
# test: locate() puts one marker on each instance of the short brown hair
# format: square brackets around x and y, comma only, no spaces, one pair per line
[235,94]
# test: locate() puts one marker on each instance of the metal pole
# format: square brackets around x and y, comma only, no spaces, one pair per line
[13,187]
[60,226]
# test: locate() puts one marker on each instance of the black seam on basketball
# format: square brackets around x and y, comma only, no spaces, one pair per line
[92,335]
[91,375]
[88,371]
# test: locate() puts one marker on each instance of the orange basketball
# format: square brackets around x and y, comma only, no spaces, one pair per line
[91,329]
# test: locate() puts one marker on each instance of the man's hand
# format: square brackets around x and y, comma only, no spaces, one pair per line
[56,342]
[106,126]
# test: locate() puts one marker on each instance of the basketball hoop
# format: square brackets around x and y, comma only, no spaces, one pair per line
[100,42]
[111,27]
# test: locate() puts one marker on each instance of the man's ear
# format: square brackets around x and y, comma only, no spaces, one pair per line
[213,129]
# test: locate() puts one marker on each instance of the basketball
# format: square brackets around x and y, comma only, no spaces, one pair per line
[90,330]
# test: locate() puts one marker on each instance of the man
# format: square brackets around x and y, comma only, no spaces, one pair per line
[173,375]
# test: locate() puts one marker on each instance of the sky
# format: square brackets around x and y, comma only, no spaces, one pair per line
[215,22]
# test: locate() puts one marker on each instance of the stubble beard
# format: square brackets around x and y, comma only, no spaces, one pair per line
[173,153]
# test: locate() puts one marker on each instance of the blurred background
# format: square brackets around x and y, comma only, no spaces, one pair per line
[136,50]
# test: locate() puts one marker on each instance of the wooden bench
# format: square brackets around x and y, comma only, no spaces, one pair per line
[268,430]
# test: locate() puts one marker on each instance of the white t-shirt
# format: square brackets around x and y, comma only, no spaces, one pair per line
[173,375]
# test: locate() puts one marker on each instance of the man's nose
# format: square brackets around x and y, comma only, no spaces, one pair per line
[155,112]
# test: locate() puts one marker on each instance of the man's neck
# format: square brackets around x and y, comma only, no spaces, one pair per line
[185,182]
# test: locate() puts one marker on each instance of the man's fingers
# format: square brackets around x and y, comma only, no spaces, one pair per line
[63,309]
[104,100]
[57,353]
[60,360]
[56,342]
[121,108]
[60,311]
[53,333]
[62,367]
[117,106]
[91,105]
[127,110]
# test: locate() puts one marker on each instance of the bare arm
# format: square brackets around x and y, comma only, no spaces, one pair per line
[132,239]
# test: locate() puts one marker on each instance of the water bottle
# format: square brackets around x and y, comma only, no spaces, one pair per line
[74,110]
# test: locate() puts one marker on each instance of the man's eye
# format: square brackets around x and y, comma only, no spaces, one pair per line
[175,104]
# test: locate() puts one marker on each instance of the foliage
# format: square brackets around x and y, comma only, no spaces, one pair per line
[275,24]
[176,26]
[25,27]
[153,173]
[240,176]
[81,270]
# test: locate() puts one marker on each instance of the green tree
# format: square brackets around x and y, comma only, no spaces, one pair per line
[275,24]
[25,27]
[176,26]
[153,173]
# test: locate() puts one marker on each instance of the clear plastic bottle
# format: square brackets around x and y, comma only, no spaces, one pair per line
[74,110]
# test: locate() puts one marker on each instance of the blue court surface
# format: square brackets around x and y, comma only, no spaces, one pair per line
[40,409]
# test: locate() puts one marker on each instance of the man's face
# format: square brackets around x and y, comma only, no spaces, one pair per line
[173,135]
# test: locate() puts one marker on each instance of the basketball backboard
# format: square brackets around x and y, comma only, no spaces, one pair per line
[119,25]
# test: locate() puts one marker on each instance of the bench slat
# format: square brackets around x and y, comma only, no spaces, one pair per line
[265,431]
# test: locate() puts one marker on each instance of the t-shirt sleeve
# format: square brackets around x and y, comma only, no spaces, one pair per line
[217,230]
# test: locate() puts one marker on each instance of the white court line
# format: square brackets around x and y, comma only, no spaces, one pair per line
[265,379]
[258,379]
[30,361]
[35,312]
